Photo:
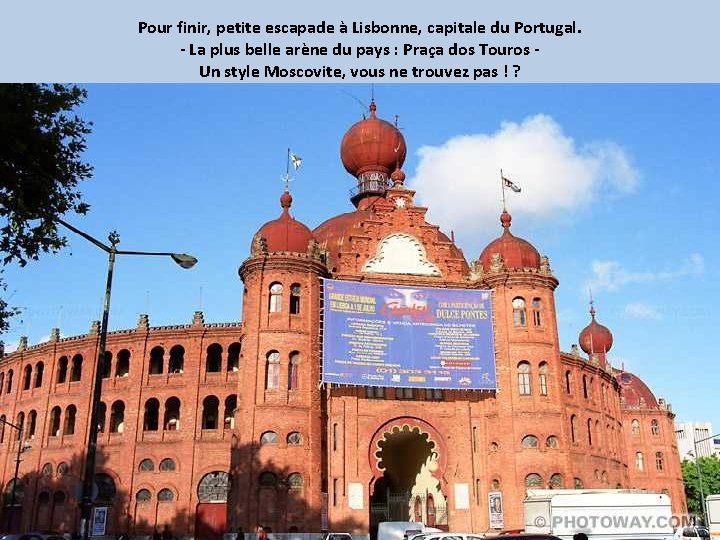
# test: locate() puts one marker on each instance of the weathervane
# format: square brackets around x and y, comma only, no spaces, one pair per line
[296,162]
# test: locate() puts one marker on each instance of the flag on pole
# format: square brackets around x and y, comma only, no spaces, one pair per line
[508,183]
[296,161]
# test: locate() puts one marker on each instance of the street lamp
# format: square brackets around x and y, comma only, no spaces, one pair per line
[699,473]
[184,261]
[22,446]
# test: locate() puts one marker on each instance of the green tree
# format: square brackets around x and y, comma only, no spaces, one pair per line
[710,471]
[41,142]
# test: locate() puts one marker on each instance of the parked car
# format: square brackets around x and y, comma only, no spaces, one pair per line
[696,533]
[32,536]
[338,536]
[454,536]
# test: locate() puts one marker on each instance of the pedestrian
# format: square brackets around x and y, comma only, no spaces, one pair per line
[240,534]
[167,533]
[261,534]
[156,535]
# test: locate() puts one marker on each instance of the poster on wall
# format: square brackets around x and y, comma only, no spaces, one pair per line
[496,510]
[405,336]
[99,520]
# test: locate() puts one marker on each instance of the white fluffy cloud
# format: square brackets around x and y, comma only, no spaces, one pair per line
[638,310]
[611,275]
[460,180]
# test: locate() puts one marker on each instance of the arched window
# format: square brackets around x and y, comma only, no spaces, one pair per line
[76,371]
[295,481]
[39,369]
[70,413]
[551,441]
[268,479]
[63,469]
[529,441]
[533,480]
[2,382]
[55,422]
[495,484]
[589,432]
[233,357]
[523,375]
[106,488]
[102,412]
[578,484]
[47,469]
[9,381]
[213,487]
[518,305]
[536,305]
[44,498]
[659,462]
[654,428]
[211,404]
[171,421]
[143,496]
[229,414]
[542,378]
[604,477]
[573,427]
[177,359]
[122,364]
[556,481]
[494,447]
[117,418]
[146,465]
[107,365]
[32,424]
[293,371]
[272,371]
[59,497]
[295,298]
[585,387]
[152,415]
[165,495]
[269,437]
[635,426]
[3,419]
[19,422]
[62,369]
[213,360]
[157,360]
[27,377]
[276,290]
[167,465]
[639,461]
[294,438]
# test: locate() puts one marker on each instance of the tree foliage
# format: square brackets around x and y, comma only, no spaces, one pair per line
[41,142]
[710,471]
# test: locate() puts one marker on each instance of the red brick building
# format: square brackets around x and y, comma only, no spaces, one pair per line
[212,426]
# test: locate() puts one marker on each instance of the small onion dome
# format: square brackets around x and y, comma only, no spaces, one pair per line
[516,252]
[595,338]
[634,392]
[372,145]
[285,233]
[398,177]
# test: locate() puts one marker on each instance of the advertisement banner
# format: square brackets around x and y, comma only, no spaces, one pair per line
[496,510]
[405,336]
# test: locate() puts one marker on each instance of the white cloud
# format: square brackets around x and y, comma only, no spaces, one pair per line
[460,180]
[610,275]
[638,310]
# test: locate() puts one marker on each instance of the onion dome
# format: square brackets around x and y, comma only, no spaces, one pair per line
[595,338]
[370,150]
[285,233]
[634,392]
[516,252]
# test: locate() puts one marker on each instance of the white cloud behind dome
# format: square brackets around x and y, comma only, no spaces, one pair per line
[460,180]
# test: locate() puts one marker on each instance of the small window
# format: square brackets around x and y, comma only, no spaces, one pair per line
[573,428]
[536,304]
[295,299]
[269,437]
[494,447]
[556,481]
[39,368]
[76,372]
[63,469]
[659,462]
[374,392]
[578,484]
[276,290]
[268,479]
[654,428]
[294,438]
[44,498]
[568,381]
[542,378]
[433,394]
[523,375]
[213,360]
[635,427]
[272,375]
[533,480]
[167,465]
[404,393]
[518,305]
[495,484]
[529,441]
[47,469]
[295,481]
[294,371]
[165,495]
[143,496]
[551,442]
[585,387]
[146,465]
[639,461]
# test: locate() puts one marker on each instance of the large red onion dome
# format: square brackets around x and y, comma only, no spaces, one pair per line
[595,338]
[372,145]
[516,252]
[634,392]
[285,233]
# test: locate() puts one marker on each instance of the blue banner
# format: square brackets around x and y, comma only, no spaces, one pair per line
[405,336]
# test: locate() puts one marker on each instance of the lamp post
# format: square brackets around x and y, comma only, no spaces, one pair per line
[184,261]
[22,446]
[699,472]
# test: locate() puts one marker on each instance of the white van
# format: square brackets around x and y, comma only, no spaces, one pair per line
[399,530]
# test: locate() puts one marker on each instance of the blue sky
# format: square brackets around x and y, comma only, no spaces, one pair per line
[620,190]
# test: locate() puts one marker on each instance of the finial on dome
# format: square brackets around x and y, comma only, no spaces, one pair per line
[372,108]
[285,200]
[505,219]
[398,177]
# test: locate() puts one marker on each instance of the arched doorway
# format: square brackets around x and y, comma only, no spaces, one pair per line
[211,514]
[408,460]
